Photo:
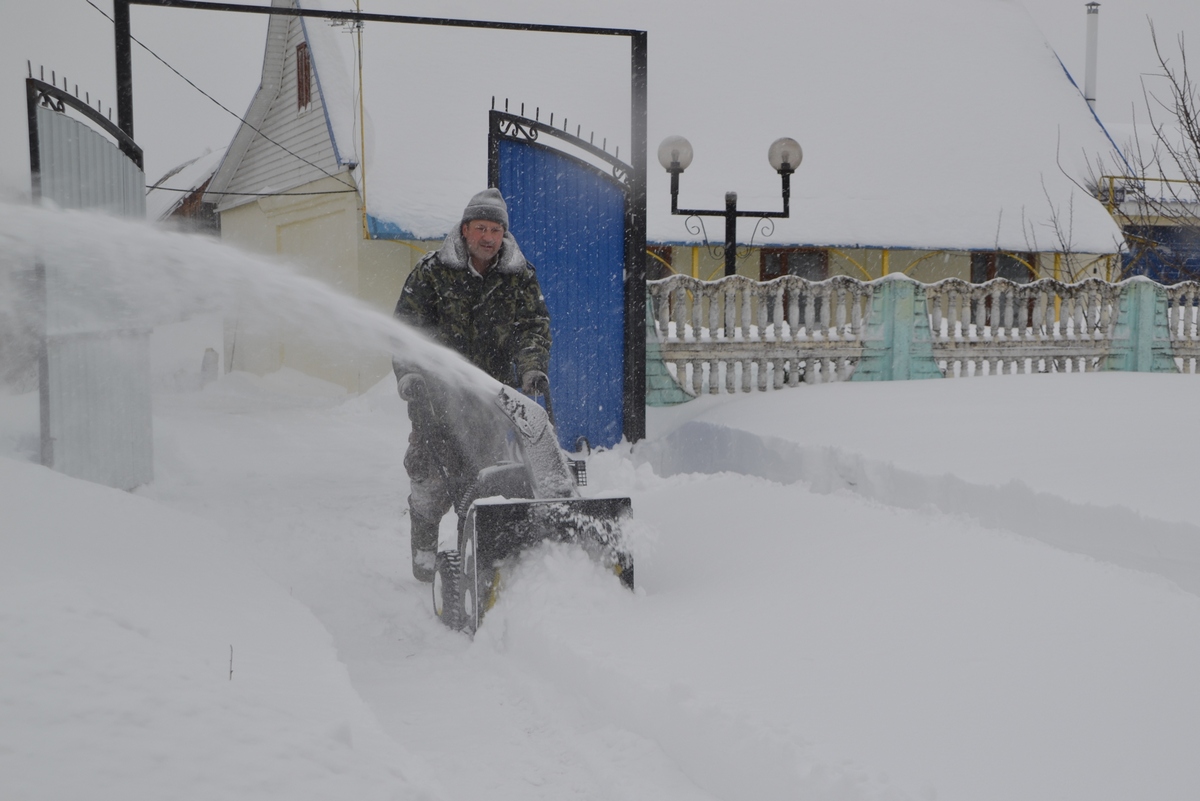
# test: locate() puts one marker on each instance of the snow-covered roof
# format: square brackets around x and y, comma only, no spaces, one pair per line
[925,123]
[169,191]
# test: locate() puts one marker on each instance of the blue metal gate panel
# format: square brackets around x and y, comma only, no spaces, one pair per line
[569,219]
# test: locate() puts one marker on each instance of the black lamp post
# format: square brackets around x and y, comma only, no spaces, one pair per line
[675,154]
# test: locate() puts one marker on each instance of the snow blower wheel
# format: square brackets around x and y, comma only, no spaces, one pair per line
[448,583]
[470,580]
[478,577]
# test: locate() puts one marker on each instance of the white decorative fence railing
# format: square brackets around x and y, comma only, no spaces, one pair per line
[739,334]
[1183,322]
[1002,327]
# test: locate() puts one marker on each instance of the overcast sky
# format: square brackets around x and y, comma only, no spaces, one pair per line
[222,53]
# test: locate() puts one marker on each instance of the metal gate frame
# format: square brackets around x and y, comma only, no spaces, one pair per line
[94,395]
[505,126]
[38,92]
[635,234]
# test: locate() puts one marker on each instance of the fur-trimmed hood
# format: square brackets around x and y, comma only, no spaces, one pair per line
[510,259]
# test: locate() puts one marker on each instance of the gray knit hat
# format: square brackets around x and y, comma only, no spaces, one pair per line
[487,205]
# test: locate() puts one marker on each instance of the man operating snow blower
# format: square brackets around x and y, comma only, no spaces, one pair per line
[479,296]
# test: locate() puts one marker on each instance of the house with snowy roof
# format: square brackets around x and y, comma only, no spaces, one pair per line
[941,138]
[182,203]
[1155,199]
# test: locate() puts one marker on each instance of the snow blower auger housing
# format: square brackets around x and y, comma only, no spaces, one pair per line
[515,505]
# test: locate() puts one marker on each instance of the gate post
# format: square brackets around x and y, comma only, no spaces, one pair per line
[634,423]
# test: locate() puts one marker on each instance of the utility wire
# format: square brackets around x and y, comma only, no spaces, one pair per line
[239,117]
[250,194]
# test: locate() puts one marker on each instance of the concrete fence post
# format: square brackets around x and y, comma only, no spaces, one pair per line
[897,343]
[661,388]
[1141,340]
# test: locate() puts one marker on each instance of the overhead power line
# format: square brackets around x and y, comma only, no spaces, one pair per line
[251,194]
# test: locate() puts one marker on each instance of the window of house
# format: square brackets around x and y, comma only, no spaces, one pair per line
[303,77]
[1015,267]
[658,262]
[810,263]
[1166,253]
[1020,268]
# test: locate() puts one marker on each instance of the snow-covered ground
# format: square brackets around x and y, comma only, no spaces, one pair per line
[979,589]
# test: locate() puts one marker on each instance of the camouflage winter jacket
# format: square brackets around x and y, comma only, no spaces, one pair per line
[498,322]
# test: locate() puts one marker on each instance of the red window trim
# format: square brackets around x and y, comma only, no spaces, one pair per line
[303,77]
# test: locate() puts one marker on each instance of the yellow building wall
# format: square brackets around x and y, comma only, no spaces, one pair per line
[384,266]
[866,264]
[252,341]
[321,236]
[927,266]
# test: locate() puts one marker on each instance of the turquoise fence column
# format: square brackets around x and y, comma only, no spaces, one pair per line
[661,388]
[1141,339]
[897,344]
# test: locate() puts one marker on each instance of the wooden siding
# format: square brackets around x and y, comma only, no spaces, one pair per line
[304,133]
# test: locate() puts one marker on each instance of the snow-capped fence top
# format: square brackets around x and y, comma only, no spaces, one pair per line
[740,333]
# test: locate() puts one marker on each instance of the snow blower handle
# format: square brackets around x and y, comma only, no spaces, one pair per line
[538,384]
[549,406]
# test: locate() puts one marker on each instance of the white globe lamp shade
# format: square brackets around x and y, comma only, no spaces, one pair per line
[675,152]
[785,151]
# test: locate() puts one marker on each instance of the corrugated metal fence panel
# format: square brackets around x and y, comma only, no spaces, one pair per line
[96,392]
[569,220]
[81,169]
[100,416]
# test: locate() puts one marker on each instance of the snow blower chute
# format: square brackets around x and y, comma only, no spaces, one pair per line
[518,504]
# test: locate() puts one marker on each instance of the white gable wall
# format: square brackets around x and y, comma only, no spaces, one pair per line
[267,167]
[306,216]
[319,235]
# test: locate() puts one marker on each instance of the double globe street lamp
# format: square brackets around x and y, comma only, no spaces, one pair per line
[675,155]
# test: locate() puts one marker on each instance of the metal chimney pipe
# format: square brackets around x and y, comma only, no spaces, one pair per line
[1089,75]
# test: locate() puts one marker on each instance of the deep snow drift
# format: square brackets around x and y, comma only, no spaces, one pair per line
[845,592]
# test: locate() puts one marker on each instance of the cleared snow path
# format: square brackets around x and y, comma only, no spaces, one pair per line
[313,489]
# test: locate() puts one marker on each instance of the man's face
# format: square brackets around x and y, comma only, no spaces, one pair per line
[483,239]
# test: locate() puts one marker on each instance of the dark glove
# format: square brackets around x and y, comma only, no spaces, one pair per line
[411,386]
[534,382]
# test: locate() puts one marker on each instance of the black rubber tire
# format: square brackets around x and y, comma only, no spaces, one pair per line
[478,579]
[472,612]
[448,590]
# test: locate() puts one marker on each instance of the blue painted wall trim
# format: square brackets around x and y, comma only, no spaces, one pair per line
[385,229]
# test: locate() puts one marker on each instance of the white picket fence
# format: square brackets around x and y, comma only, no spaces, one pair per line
[739,334]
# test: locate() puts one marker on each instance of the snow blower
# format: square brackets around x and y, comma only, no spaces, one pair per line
[515,505]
